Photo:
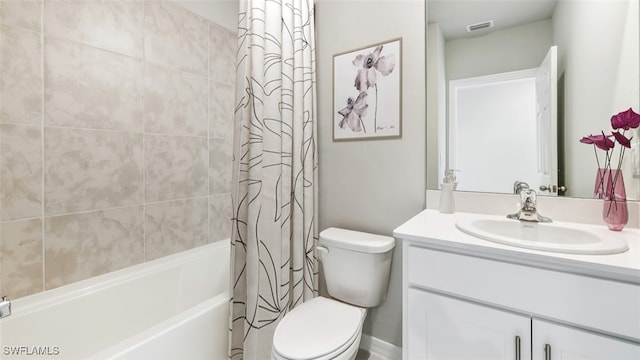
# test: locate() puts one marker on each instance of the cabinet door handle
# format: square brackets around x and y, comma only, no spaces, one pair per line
[547,352]
[517,347]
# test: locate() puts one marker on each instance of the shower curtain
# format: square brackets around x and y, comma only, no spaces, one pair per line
[274,267]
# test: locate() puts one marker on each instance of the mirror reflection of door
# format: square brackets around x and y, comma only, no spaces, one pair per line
[547,122]
[498,114]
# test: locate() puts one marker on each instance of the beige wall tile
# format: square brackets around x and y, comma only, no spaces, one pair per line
[175,102]
[110,25]
[220,212]
[21,260]
[21,174]
[91,169]
[176,37]
[21,76]
[222,54]
[92,88]
[220,158]
[221,108]
[22,13]
[97,88]
[79,246]
[175,167]
[175,226]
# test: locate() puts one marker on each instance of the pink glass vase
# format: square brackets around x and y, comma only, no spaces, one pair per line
[598,188]
[609,186]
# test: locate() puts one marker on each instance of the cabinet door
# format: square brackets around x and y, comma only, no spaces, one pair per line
[440,327]
[566,343]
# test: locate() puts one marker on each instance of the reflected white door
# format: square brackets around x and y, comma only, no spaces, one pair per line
[547,122]
[503,128]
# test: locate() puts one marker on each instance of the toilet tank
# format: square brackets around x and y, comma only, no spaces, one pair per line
[356,265]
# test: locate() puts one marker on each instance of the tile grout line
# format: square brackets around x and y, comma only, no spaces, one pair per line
[42,146]
[105,49]
[81,212]
[209,204]
[141,132]
[144,151]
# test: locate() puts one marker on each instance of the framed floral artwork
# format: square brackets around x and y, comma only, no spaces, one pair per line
[367,92]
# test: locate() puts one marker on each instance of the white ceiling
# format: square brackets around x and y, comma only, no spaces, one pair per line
[454,15]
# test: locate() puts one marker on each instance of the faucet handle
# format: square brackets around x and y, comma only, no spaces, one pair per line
[518,186]
[528,199]
[5,307]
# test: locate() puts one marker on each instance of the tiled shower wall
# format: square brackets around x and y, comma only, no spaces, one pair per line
[115,137]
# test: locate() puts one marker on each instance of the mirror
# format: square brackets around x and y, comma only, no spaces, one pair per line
[598,75]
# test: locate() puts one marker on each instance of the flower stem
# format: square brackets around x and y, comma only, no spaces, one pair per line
[615,179]
[363,127]
[375,115]
[612,186]
[600,190]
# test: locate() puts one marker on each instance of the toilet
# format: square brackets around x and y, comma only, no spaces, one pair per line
[356,268]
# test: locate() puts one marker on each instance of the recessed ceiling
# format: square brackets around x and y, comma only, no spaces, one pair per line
[454,15]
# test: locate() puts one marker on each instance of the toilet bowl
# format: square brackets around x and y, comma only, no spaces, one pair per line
[356,268]
[319,329]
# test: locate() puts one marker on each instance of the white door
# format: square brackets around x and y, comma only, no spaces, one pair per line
[503,128]
[547,122]
[566,343]
[492,131]
[441,328]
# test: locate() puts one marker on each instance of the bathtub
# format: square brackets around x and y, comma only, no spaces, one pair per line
[176,307]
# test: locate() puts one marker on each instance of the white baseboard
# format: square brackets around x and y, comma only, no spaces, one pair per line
[379,347]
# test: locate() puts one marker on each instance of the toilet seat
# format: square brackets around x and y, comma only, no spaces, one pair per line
[320,328]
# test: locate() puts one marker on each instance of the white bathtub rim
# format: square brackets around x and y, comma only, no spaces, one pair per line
[150,334]
[52,297]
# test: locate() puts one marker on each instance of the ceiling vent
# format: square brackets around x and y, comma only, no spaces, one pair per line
[480,26]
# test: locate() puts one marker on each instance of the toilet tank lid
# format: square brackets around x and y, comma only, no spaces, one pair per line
[356,240]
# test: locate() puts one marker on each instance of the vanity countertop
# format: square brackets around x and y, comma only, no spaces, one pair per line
[438,231]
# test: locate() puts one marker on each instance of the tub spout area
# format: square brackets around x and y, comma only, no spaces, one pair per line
[5,307]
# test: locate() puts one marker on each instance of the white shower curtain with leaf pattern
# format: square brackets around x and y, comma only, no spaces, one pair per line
[274,267]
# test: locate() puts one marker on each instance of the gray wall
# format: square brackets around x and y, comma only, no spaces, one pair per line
[515,48]
[598,53]
[373,186]
[436,103]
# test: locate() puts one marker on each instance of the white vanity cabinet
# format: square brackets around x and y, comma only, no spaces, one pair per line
[564,342]
[467,302]
[442,327]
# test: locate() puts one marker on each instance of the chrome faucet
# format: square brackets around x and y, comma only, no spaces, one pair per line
[5,307]
[528,211]
[519,186]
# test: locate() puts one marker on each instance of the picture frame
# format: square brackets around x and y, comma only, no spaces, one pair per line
[367,92]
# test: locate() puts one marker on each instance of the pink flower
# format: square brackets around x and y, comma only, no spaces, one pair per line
[601,141]
[591,139]
[625,120]
[622,140]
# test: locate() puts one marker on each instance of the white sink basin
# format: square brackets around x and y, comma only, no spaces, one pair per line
[542,236]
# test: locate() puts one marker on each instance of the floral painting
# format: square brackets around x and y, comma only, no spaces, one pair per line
[367,92]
